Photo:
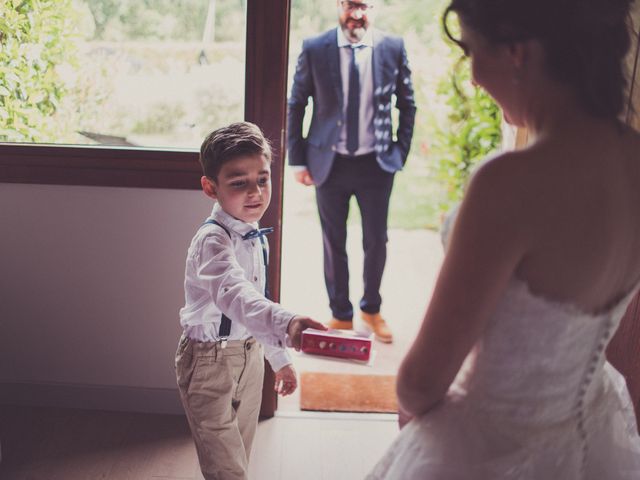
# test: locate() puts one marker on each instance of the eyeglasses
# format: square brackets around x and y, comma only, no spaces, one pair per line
[348,6]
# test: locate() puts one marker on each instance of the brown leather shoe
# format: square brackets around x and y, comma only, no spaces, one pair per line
[376,323]
[340,324]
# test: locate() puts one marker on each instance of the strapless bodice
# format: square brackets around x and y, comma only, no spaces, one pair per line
[534,400]
[539,360]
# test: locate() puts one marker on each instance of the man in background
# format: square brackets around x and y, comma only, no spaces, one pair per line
[352,72]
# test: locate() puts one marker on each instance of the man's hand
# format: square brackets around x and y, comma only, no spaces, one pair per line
[303,177]
[286,381]
[297,326]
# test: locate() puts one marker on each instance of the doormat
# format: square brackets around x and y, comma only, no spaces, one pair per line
[338,392]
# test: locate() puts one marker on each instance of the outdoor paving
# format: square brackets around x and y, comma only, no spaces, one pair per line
[413,260]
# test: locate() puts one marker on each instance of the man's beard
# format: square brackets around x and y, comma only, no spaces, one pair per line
[354,34]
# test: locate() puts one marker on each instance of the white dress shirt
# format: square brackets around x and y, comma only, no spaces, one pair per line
[364,55]
[227,275]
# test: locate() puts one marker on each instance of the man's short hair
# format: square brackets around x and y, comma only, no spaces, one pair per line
[239,139]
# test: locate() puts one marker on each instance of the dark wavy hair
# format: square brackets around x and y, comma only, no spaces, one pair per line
[585,41]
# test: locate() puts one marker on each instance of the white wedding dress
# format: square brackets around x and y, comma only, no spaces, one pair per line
[535,400]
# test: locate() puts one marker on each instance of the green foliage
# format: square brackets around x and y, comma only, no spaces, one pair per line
[36,37]
[103,12]
[407,16]
[311,17]
[182,20]
[473,130]
[160,119]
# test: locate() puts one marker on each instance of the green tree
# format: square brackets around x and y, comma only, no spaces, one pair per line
[472,131]
[36,37]
[103,11]
[408,16]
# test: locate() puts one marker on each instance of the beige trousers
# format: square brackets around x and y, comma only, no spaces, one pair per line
[221,391]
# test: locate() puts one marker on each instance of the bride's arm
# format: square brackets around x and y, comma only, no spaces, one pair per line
[488,241]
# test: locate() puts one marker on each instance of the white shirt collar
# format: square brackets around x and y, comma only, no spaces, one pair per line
[366,41]
[230,222]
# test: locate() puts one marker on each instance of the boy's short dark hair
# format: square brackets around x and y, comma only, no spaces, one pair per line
[228,143]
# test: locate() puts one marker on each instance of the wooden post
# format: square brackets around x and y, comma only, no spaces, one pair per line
[266,106]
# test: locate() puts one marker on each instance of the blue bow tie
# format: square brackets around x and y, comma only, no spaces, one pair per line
[255,233]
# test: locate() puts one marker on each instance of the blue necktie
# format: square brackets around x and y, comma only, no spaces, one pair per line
[353,105]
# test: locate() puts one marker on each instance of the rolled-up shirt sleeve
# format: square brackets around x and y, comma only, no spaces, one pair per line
[235,296]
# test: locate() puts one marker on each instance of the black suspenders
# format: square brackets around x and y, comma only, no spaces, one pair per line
[265,263]
[225,323]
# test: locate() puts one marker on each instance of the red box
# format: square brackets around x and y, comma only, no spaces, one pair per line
[337,343]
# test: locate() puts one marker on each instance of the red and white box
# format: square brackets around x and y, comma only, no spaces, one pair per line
[338,343]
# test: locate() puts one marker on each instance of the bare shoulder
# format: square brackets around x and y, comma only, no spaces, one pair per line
[495,192]
[501,176]
[527,172]
[504,193]
[497,165]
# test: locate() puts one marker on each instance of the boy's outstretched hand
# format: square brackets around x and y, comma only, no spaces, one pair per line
[297,326]
[286,380]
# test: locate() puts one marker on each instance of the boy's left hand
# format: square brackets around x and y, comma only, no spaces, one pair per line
[286,380]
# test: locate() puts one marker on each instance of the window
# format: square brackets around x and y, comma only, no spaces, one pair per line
[141,85]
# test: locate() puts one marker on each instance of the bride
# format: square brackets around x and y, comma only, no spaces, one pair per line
[507,378]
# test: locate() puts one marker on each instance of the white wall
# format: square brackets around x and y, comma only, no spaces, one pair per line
[90,287]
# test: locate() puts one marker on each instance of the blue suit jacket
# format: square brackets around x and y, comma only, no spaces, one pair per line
[318,76]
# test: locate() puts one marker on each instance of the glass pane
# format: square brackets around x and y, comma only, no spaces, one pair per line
[451,134]
[156,73]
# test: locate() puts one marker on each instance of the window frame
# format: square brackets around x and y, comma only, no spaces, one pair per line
[48,164]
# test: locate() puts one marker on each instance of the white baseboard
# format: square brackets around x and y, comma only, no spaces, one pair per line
[317,415]
[92,397]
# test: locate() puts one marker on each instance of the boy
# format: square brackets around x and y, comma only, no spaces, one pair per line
[219,364]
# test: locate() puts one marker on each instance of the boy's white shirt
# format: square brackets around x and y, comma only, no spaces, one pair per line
[227,275]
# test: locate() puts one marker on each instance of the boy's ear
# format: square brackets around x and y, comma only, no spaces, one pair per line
[209,187]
